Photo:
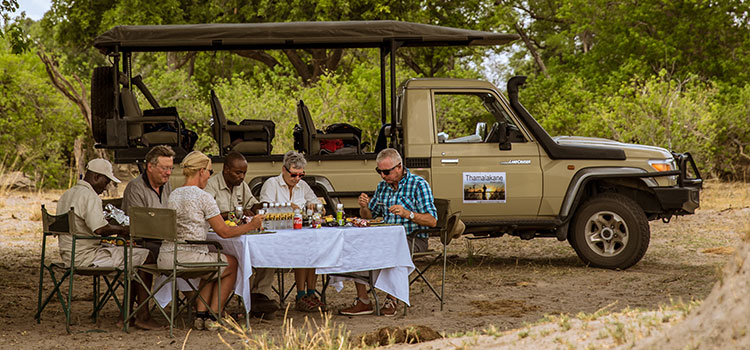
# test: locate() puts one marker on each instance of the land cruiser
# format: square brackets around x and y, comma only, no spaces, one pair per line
[482,151]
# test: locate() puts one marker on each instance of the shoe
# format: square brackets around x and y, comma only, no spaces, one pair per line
[260,303]
[313,299]
[211,325]
[199,324]
[390,308]
[304,304]
[358,308]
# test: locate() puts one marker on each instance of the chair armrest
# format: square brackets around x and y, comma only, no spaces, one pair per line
[429,231]
[99,238]
[336,136]
[244,128]
[150,119]
[160,111]
[213,243]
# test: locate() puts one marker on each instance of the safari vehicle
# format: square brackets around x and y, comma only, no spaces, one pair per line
[505,174]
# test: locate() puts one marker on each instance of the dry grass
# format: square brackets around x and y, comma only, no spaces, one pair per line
[725,195]
[310,335]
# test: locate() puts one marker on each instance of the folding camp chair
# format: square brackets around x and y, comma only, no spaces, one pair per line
[57,225]
[446,224]
[160,223]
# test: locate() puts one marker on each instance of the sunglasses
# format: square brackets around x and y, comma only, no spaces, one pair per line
[210,171]
[386,172]
[300,175]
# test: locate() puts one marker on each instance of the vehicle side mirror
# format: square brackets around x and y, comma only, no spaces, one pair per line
[504,142]
[481,130]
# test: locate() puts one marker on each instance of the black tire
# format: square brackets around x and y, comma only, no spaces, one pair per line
[619,246]
[102,102]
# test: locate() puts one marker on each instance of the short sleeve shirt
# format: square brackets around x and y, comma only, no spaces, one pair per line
[193,207]
[413,193]
[227,199]
[139,193]
[275,190]
[89,217]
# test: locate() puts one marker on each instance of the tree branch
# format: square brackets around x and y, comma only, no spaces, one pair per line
[260,56]
[532,49]
[299,66]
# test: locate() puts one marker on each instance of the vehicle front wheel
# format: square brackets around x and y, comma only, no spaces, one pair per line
[610,231]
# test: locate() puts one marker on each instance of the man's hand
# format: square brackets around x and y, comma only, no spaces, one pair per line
[399,210]
[363,200]
[257,222]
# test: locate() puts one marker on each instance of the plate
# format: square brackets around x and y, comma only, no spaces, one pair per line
[259,233]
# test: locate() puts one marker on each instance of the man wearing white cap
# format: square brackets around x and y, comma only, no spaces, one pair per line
[90,221]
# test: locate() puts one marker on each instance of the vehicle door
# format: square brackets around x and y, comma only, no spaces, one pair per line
[468,166]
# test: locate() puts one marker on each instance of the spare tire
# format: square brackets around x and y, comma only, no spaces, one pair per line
[102,101]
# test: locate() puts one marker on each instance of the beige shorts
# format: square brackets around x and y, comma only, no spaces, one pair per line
[166,259]
[113,256]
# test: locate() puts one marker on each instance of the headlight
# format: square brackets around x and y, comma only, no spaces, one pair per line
[663,164]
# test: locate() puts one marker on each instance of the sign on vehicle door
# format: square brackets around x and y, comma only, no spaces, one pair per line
[484,187]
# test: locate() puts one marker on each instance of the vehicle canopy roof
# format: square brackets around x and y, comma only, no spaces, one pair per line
[255,36]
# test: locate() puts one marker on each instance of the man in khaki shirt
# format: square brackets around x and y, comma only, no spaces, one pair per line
[89,221]
[229,190]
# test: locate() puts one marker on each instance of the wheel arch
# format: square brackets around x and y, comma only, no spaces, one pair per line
[629,181]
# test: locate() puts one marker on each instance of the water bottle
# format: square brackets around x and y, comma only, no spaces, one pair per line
[309,219]
[288,216]
[340,214]
[238,214]
[270,216]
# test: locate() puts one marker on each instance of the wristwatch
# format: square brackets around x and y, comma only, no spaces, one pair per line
[411,216]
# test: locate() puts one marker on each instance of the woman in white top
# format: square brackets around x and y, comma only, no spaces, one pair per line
[289,187]
[195,208]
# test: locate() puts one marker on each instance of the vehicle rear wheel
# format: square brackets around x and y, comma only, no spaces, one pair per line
[102,101]
[610,231]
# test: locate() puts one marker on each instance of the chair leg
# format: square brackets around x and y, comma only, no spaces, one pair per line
[95,287]
[70,300]
[442,282]
[374,294]
[55,291]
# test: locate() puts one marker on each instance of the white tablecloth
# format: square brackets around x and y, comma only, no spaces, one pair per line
[329,250]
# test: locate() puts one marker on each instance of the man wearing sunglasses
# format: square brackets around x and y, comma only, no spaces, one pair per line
[401,198]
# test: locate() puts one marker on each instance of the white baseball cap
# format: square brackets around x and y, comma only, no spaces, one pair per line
[102,166]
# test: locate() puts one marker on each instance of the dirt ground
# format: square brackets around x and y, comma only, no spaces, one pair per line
[500,283]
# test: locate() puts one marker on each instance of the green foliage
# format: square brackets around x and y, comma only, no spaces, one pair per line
[680,115]
[38,124]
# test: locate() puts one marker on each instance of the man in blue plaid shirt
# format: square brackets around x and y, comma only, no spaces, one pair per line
[401,198]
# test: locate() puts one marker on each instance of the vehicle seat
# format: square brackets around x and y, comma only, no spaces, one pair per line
[382,141]
[137,123]
[311,138]
[251,137]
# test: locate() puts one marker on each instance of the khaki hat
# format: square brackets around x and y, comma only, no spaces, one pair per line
[102,166]
[195,160]
[454,226]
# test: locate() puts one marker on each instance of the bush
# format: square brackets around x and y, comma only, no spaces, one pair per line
[39,126]
[681,115]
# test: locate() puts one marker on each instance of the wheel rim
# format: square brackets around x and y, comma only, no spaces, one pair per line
[606,233]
